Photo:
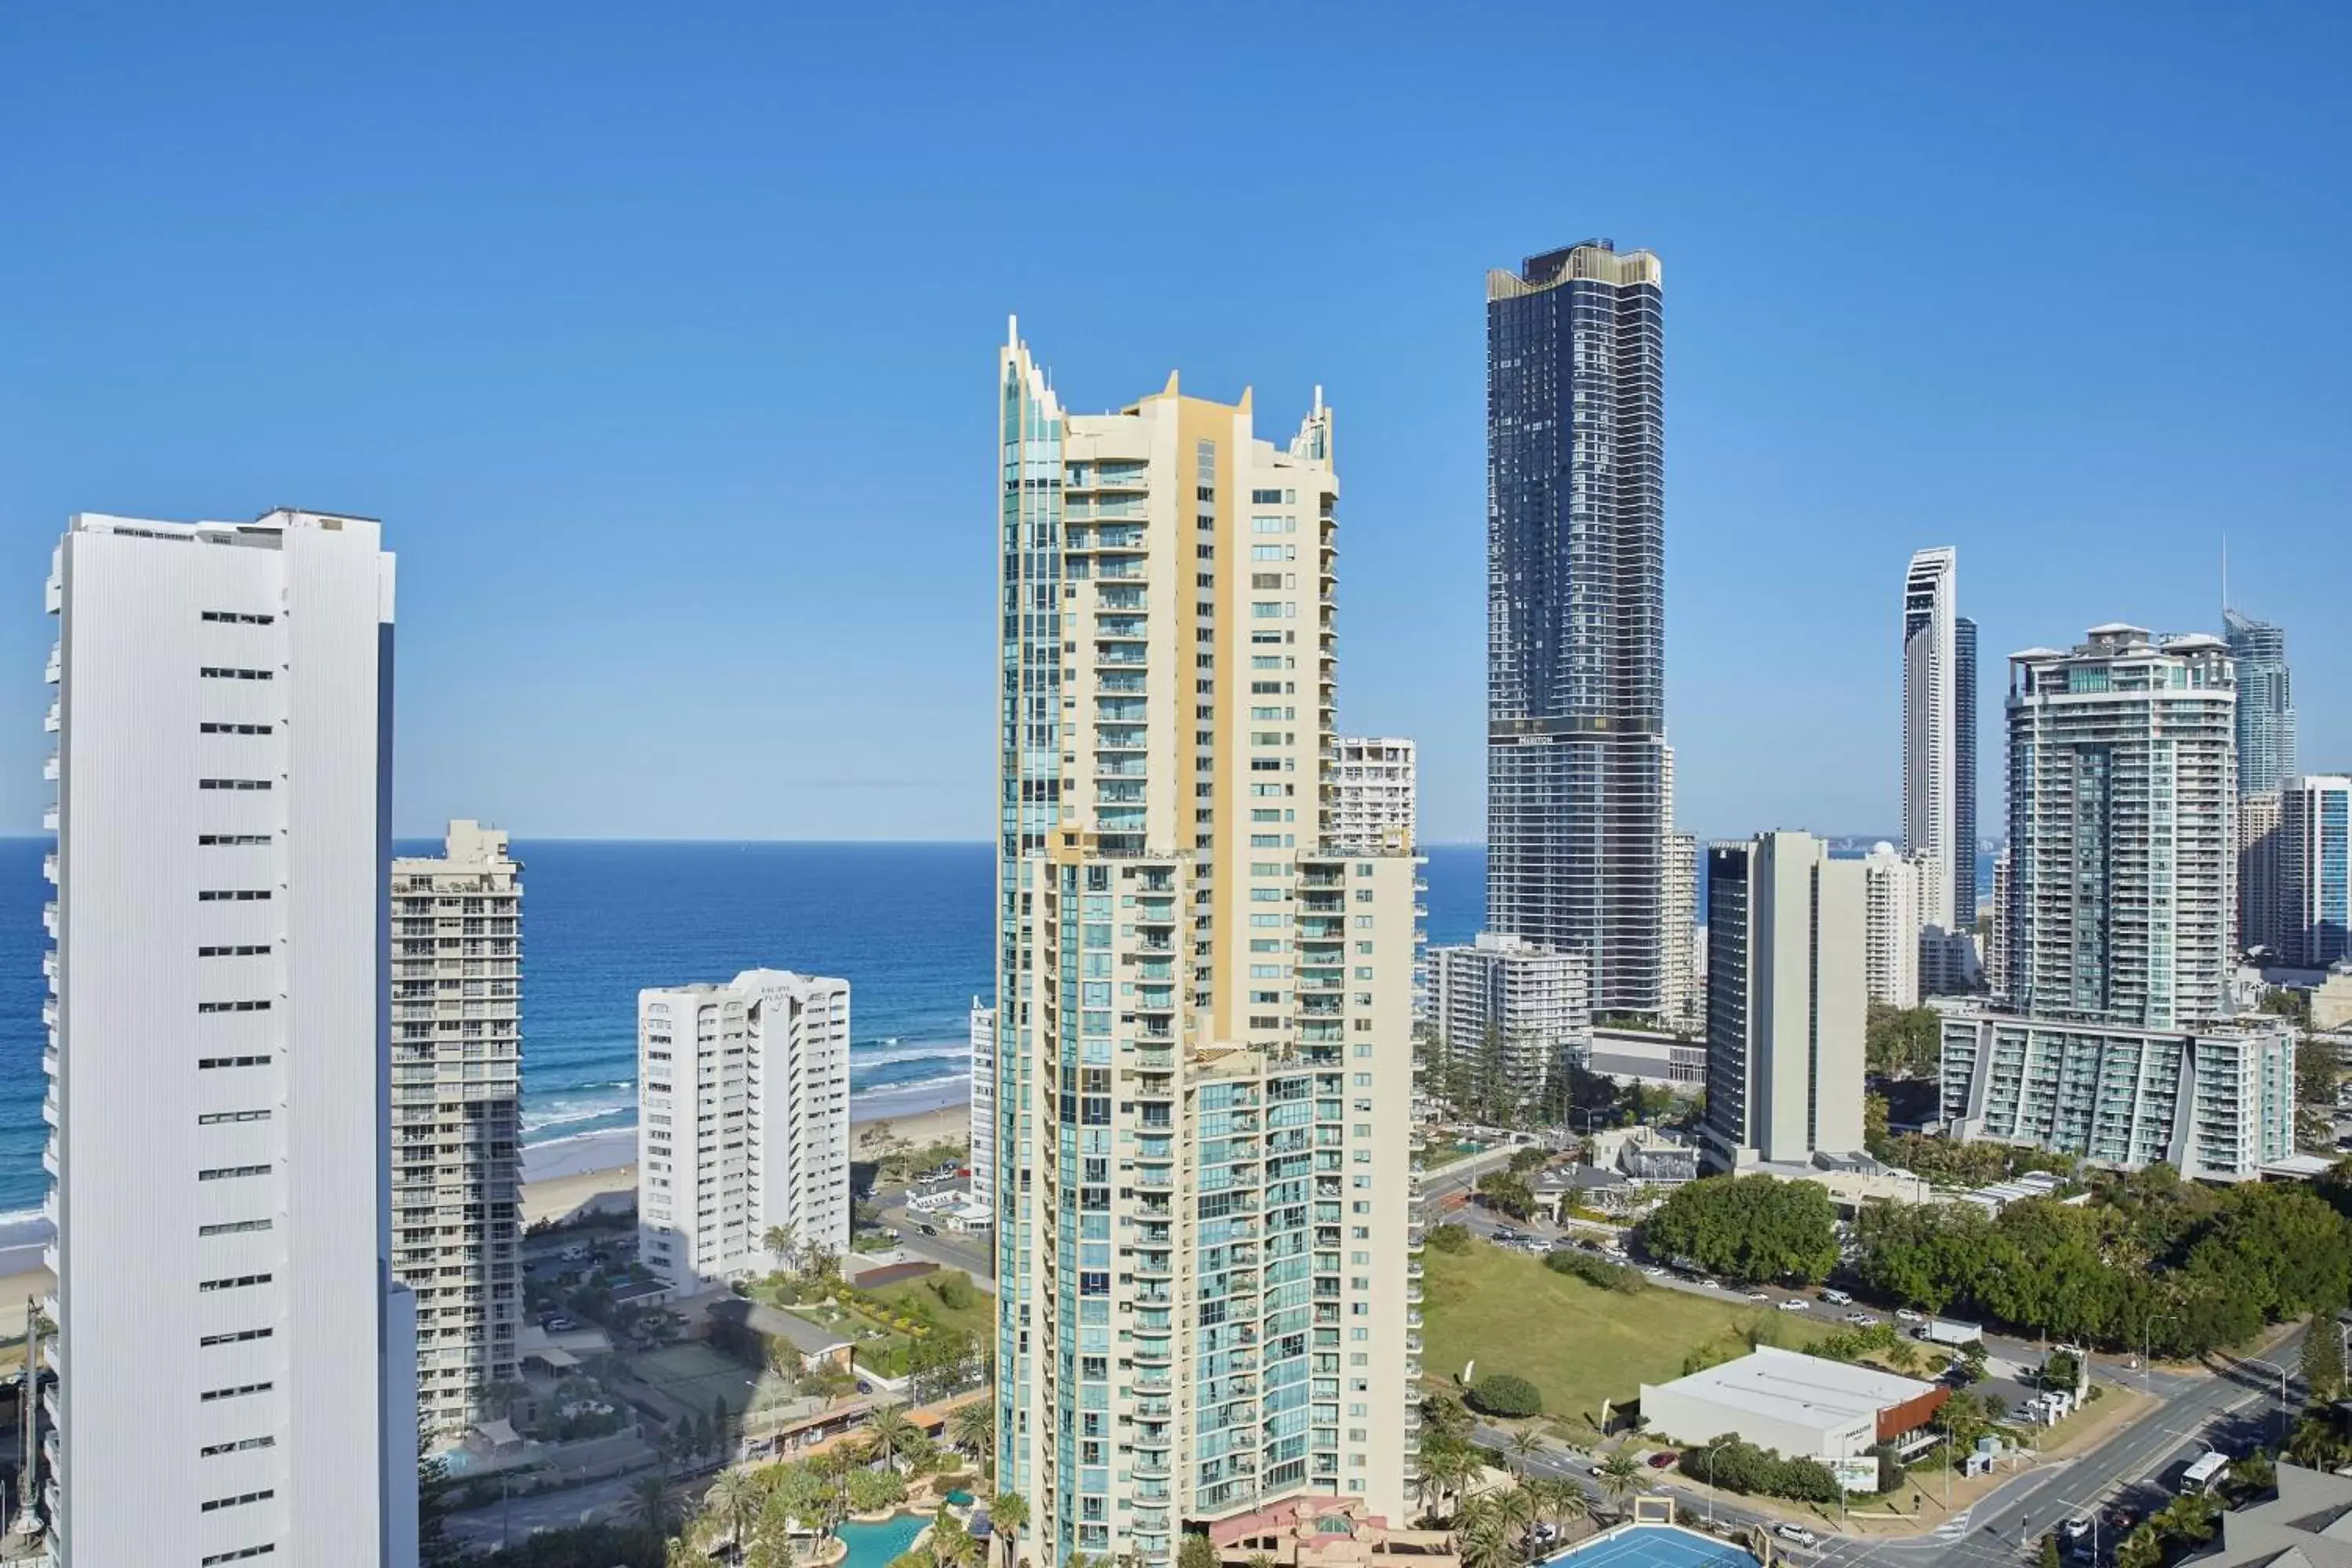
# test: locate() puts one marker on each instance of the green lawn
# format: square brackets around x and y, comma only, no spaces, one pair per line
[1579,1345]
[978,1314]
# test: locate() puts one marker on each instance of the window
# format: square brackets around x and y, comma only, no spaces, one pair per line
[224,672]
[239,950]
[238,1338]
[234,1227]
[238,1501]
[204,839]
[239,1391]
[210,729]
[233,784]
[264,1550]
[204,1063]
[215,1117]
[233,1282]
[239,617]
[232,895]
[238,1447]
[230,1173]
[256,1006]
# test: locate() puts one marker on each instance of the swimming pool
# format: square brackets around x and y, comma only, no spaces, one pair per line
[873,1545]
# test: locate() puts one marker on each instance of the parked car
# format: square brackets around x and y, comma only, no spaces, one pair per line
[1837,1297]
[1798,1534]
[1861,1320]
[1793,1304]
[1760,1295]
[1664,1459]
[1906,1315]
[1653,1270]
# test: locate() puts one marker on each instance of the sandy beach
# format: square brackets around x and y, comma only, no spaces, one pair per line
[598,1170]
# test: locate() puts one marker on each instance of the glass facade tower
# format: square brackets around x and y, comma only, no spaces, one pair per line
[1576,793]
[2266,704]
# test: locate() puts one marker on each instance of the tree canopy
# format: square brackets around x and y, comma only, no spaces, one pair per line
[1749,1227]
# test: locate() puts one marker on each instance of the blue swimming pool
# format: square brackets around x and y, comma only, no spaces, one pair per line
[873,1545]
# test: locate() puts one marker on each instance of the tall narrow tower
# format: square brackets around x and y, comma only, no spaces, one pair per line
[236,1366]
[1576,688]
[1202,1010]
[2266,743]
[1931,735]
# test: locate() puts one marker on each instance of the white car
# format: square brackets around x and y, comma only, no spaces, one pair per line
[1653,1270]
[1861,1320]
[1906,1315]
[1792,1305]
[1760,1295]
[1798,1534]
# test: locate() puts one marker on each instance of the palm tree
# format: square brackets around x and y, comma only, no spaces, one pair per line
[730,1502]
[653,1503]
[971,1427]
[778,1240]
[894,1433]
[1515,1509]
[1558,1500]
[1450,1469]
[1486,1543]
[1621,1478]
[1261,1558]
[1524,1444]
[1008,1516]
[952,1546]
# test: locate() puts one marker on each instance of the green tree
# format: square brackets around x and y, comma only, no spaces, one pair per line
[778,1240]
[1008,1516]
[730,1505]
[1505,1394]
[971,1427]
[2323,1360]
[1509,1192]
[1749,1227]
[1196,1551]
[895,1435]
[1902,1042]
[435,1502]
[653,1503]
[1621,1478]
[2048,1557]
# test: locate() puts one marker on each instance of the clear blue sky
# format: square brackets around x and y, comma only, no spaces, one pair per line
[663,338]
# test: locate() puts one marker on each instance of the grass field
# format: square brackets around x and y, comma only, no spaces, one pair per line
[978,1313]
[1579,1345]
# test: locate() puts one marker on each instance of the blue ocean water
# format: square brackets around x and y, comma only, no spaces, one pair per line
[908,924]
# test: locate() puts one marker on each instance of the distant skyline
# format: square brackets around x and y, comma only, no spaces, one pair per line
[662,344]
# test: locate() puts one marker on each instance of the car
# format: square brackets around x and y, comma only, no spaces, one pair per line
[1664,1459]
[1794,1304]
[1760,1295]
[2077,1528]
[1837,1297]
[1861,1320]
[1653,1270]
[1906,1315]
[1798,1534]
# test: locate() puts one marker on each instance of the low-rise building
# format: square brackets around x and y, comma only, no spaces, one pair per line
[1329,1533]
[1804,1406]
[2215,1102]
[1647,1057]
[2307,1525]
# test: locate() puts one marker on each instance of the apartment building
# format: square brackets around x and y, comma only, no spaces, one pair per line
[236,1363]
[1786,1001]
[983,1029]
[1940,736]
[1890,885]
[742,1124]
[1509,1005]
[2117,922]
[1375,797]
[2265,686]
[1204,1060]
[456,1116]
[2310,868]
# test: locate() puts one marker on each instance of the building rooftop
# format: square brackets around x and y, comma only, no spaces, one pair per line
[2308,1525]
[1803,1390]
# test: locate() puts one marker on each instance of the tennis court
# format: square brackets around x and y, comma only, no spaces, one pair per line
[1653,1546]
[689,1376]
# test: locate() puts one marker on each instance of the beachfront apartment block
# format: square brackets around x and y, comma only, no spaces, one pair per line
[979,1212]
[742,1124]
[1207,1302]
[456,1116]
[236,1363]
[1511,1017]
[1374,792]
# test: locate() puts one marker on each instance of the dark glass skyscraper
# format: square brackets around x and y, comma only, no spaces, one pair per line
[1964,772]
[1576,655]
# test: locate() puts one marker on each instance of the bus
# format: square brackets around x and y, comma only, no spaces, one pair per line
[2204,1473]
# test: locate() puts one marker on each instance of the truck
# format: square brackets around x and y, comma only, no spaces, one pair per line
[2204,1473]
[1950,1332]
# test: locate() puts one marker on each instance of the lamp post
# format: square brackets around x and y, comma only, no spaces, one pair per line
[2257,1360]
[2146,1345]
[1710,1488]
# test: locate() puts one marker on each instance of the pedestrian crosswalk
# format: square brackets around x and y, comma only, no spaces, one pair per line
[1955,1527]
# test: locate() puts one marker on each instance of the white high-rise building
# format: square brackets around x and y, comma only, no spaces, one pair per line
[236,1365]
[1931,738]
[742,1123]
[982,1025]
[1680,944]
[1203,1016]
[1996,954]
[2310,859]
[1527,1006]
[1786,1001]
[1891,925]
[457,1114]
[1373,801]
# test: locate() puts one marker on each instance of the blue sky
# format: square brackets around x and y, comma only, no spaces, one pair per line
[663,338]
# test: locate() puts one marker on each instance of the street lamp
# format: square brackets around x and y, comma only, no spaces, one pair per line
[2146,1345]
[2257,1360]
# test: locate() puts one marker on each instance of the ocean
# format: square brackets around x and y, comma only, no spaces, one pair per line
[907,925]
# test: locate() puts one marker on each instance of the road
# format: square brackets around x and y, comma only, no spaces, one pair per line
[524,1516]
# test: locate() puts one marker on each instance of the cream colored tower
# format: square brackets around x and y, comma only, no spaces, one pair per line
[1203,1016]
[456,1115]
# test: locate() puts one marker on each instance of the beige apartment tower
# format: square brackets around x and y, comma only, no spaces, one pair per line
[456,1115]
[1204,1063]
[1375,794]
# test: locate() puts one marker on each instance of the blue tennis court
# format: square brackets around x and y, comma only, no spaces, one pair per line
[1653,1546]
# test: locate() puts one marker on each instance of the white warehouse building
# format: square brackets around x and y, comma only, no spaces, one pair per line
[1804,1406]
